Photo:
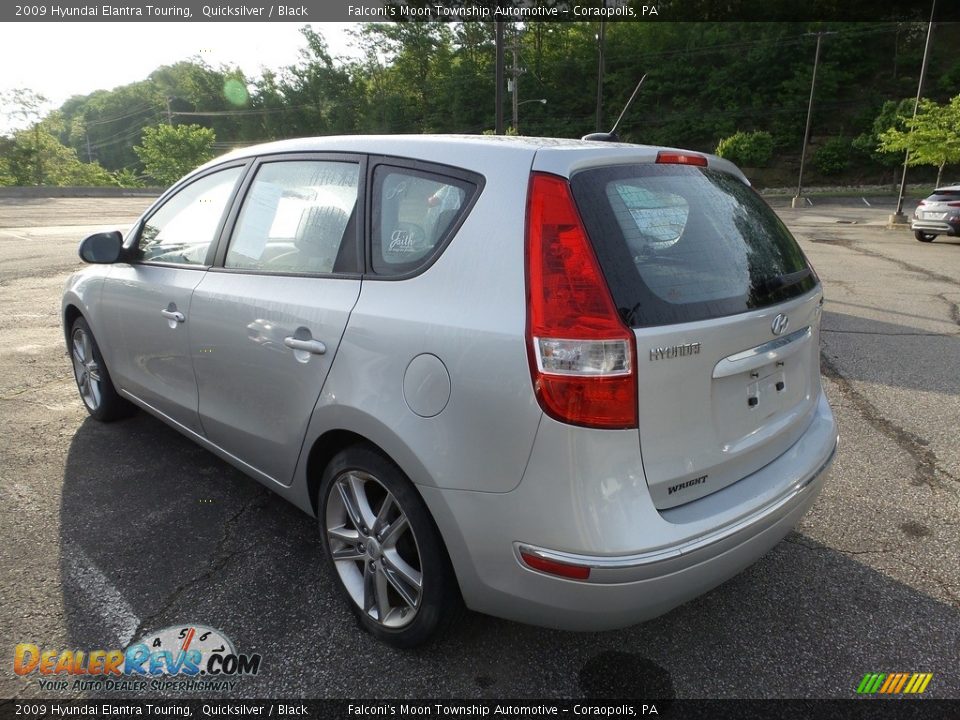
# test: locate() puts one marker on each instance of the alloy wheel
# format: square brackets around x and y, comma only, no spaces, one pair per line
[374,549]
[86,369]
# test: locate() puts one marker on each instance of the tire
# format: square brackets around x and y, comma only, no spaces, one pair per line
[93,381]
[923,236]
[383,548]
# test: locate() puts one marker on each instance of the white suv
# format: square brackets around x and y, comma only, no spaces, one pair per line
[568,383]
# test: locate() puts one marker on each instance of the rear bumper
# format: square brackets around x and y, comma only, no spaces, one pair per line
[938,227]
[643,562]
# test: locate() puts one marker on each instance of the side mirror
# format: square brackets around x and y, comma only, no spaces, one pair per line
[102,248]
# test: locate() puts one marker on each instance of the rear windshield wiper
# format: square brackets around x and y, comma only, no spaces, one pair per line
[779,282]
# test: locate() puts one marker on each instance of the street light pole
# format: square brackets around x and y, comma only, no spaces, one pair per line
[798,200]
[499,78]
[514,85]
[516,119]
[898,218]
[601,43]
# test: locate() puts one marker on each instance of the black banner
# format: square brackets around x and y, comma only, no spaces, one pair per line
[861,709]
[475,10]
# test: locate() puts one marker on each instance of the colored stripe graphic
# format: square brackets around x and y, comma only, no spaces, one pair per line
[894,683]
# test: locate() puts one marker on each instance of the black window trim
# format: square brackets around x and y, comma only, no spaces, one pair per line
[133,239]
[428,168]
[226,234]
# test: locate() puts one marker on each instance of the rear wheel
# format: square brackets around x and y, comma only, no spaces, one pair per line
[384,549]
[923,236]
[93,381]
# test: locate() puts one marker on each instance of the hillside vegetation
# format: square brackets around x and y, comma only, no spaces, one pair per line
[705,82]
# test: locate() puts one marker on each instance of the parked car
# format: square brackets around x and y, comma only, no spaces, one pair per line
[938,214]
[569,383]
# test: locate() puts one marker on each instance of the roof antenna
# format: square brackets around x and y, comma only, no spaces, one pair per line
[612,135]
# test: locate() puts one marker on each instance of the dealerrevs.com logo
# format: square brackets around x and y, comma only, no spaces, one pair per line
[178,658]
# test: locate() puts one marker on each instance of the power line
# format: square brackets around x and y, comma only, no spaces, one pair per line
[258,111]
[142,110]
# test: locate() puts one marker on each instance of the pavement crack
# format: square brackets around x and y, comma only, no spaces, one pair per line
[220,558]
[888,552]
[954,307]
[936,579]
[927,464]
[35,388]
[903,264]
[842,551]
[889,334]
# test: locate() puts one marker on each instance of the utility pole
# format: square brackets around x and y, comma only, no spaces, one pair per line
[601,43]
[898,218]
[499,78]
[515,72]
[89,154]
[169,114]
[798,200]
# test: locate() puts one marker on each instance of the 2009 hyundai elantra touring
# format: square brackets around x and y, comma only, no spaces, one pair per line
[568,383]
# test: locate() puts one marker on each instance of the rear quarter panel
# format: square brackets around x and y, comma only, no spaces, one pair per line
[467,310]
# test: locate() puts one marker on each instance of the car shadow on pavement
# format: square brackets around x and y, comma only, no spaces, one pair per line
[156,531]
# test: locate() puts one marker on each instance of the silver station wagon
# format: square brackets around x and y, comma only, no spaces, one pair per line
[568,383]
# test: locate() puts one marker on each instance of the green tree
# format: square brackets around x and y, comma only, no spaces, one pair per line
[25,108]
[932,137]
[34,156]
[892,114]
[169,152]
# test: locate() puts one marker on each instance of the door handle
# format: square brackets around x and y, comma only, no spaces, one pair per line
[311,346]
[173,315]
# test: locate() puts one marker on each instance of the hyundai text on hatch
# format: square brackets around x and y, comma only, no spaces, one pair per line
[568,383]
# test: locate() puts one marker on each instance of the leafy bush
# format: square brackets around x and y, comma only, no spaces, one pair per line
[833,157]
[748,149]
[127,178]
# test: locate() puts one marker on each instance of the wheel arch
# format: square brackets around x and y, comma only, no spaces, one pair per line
[323,450]
[70,314]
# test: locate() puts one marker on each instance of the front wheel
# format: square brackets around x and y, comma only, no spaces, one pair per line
[382,545]
[923,236]
[93,381]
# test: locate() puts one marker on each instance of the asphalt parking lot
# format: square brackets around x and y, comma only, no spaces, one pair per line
[108,531]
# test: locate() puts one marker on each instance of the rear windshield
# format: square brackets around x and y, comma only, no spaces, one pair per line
[679,243]
[944,195]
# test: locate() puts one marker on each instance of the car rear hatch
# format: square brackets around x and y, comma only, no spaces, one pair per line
[944,203]
[725,312]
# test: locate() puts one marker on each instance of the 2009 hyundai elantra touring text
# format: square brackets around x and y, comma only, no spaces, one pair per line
[568,383]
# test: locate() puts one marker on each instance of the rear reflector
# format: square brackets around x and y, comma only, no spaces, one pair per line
[551,567]
[669,157]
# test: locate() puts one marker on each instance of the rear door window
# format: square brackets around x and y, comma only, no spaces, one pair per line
[414,213]
[679,244]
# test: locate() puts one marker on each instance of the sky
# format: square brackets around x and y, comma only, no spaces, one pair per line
[59,60]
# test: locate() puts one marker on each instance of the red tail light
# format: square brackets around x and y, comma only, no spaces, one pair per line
[582,356]
[956,204]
